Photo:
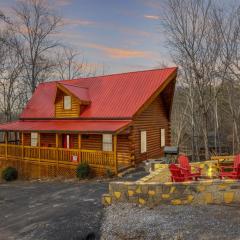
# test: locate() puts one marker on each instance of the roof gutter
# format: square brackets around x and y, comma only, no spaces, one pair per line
[79,118]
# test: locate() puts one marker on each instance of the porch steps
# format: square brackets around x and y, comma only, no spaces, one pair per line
[125,171]
[133,173]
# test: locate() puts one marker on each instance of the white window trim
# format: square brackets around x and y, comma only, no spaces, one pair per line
[67,102]
[107,142]
[34,139]
[163,137]
[143,140]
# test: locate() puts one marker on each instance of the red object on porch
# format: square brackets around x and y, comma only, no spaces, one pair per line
[67,141]
[235,173]
[177,175]
[186,167]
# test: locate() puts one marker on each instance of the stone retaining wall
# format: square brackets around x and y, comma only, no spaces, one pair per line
[152,193]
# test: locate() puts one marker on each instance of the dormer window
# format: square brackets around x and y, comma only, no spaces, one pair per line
[67,102]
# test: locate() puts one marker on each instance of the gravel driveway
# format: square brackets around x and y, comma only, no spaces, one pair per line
[58,210]
[50,210]
[125,221]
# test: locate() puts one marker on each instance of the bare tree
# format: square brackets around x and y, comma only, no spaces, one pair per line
[229,28]
[11,88]
[71,64]
[34,25]
[193,38]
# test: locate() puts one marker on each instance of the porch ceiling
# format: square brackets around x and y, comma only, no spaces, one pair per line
[66,125]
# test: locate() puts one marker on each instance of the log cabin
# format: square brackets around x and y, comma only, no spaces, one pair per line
[111,122]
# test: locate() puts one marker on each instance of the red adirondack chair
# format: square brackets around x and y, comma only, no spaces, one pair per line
[186,167]
[177,175]
[235,173]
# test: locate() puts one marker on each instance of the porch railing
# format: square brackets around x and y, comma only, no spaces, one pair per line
[60,155]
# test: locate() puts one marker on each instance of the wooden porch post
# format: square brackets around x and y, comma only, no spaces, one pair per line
[6,144]
[21,161]
[57,139]
[80,146]
[22,145]
[115,153]
[57,146]
[39,155]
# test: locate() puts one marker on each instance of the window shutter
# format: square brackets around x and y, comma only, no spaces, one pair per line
[162,137]
[143,141]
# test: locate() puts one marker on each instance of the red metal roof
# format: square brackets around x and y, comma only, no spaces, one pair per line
[80,92]
[111,96]
[65,125]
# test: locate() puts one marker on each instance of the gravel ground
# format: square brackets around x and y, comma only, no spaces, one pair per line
[126,221]
[53,210]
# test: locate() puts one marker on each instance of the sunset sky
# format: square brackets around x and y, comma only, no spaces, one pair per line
[124,35]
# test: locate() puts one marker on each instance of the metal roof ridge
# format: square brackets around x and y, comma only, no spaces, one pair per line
[67,84]
[112,74]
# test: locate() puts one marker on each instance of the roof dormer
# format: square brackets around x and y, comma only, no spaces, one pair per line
[70,100]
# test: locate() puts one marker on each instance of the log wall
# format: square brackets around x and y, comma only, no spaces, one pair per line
[151,120]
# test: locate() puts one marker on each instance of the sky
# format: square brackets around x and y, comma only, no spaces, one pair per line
[122,35]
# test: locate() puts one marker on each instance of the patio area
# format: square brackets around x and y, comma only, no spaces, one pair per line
[158,188]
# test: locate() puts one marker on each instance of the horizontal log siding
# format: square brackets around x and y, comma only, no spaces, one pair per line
[48,140]
[92,142]
[152,119]
[123,150]
[59,110]
[27,139]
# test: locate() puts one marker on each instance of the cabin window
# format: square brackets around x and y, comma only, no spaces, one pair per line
[143,141]
[34,139]
[67,102]
[85,136]
[163,137]
[107,142]
[11,136]
[2,134]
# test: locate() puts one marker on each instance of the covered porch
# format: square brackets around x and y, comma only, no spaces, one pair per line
[50,153]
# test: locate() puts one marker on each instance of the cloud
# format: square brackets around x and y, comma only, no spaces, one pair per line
[151,17]
[120,52]
[155,4]
[63,2]
[80,22]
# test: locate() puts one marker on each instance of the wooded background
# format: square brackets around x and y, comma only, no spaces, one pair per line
[203,40]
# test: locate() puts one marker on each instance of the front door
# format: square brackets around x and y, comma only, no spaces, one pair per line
[67,141]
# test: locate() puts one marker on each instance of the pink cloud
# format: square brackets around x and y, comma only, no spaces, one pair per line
[120,52]
[151,17]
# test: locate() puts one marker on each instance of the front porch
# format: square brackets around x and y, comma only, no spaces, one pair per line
[48,154]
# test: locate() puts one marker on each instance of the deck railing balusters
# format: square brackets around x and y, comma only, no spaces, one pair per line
[58,156]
